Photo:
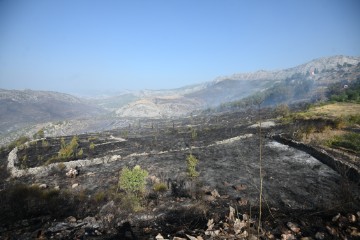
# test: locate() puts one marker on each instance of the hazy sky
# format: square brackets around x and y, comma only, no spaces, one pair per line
[76,46]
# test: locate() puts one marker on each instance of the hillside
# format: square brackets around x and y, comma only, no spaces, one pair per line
[303,198]
[304,82]
[20,108]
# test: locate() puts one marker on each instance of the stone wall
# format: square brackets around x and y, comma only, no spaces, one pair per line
[343,168]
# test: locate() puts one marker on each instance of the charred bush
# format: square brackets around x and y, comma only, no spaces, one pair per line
[21,202]
[178,188]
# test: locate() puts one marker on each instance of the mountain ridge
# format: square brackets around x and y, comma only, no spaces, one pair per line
[23,107]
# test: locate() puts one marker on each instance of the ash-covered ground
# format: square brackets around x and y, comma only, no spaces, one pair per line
[296,186]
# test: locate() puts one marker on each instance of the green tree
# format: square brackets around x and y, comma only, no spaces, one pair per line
[133,181]
[69,151]
[192,162]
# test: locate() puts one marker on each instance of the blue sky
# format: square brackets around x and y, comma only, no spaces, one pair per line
[78,46]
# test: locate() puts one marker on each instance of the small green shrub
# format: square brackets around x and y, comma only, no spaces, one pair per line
[92,138]
[160,187]
[18,142]
[350,141]
[80,153]
[99,196]
[192,162]
[133,181]
[69,151]
[354,119]
[92,146]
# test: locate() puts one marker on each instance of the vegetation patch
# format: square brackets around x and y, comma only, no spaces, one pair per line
[192,162]
[133,181]
[348,141]
[332,110]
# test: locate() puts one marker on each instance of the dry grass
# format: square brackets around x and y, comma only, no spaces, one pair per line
[335,110]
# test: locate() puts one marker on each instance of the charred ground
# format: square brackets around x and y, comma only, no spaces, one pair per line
[297,187]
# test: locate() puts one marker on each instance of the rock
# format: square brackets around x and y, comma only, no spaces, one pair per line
[238,226]
[252,237]
[231,213]
[59,227]
[89,220]
[75,185]
[334,219]
[154,179]
[269,235]
[287,236]
[320,235]
[72,173]
[43,186]
[243,235]
[215,193]
[354,231]
[240,187]
[209,198]
[159,237]
[179,238]
[191,237]
[351,218]
[242,202]
[293,227]
[332,230]
[57,187]
[71,219]
[210,224]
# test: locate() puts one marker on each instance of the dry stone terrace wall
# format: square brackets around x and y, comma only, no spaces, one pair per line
[346,169]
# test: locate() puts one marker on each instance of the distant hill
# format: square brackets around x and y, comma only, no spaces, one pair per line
[20,108]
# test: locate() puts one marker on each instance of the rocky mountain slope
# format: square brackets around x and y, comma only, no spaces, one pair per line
[318,73]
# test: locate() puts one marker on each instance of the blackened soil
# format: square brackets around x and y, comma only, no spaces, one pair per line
[296,186]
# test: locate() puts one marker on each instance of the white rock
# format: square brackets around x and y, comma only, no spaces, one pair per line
[191,237]
[159,237]
[75,185]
